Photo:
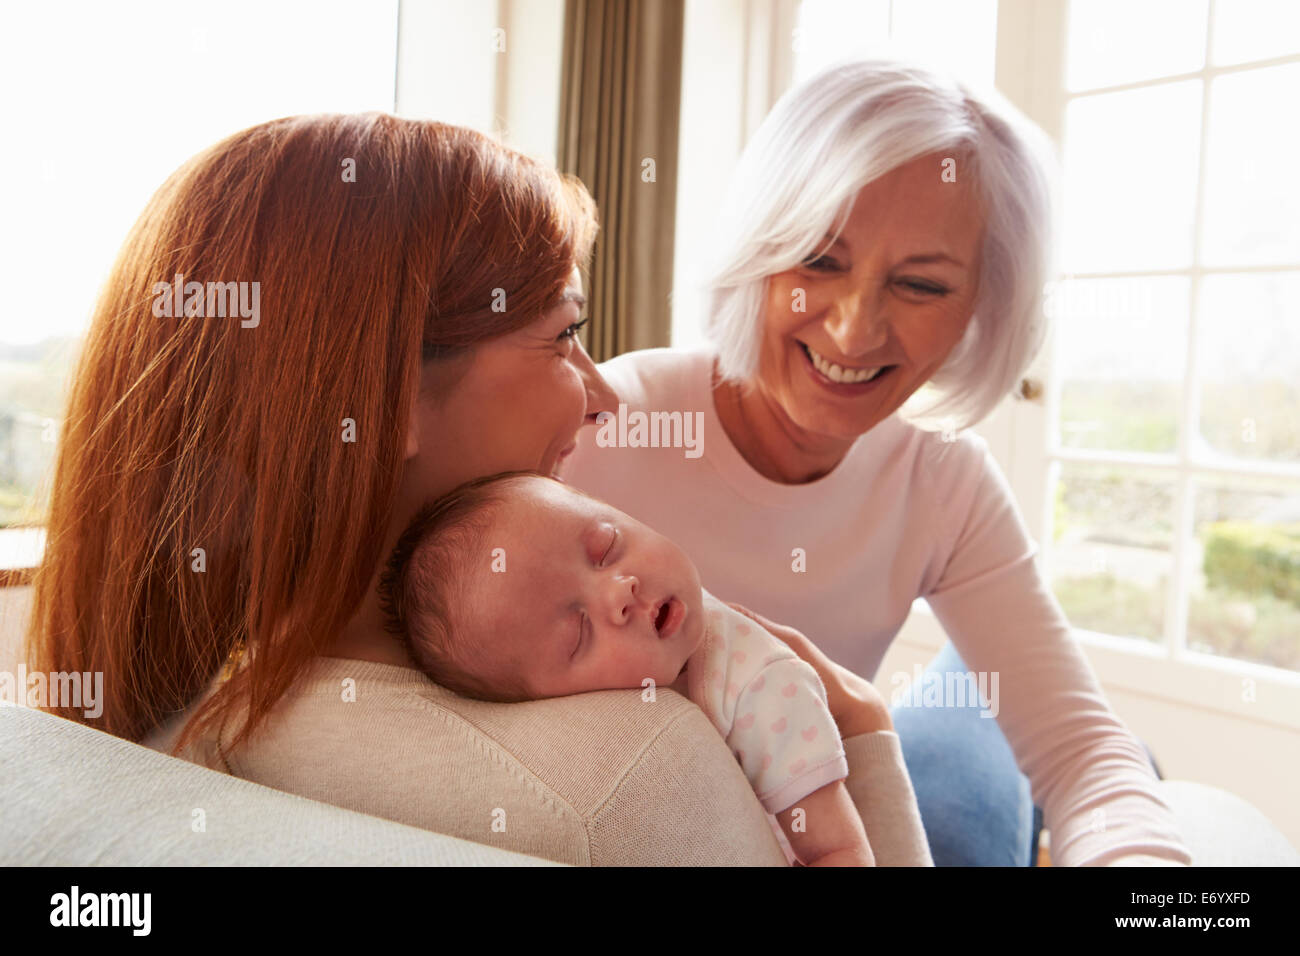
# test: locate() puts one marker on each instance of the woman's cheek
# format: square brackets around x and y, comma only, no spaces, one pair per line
[789,305]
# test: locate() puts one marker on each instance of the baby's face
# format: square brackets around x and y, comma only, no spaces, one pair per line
[590,598]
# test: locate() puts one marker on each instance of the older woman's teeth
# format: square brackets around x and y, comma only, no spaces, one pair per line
[838,373]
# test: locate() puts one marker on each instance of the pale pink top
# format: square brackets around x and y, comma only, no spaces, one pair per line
[904,515]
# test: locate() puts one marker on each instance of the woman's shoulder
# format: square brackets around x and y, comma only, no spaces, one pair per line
[953,482]
[646,375]
[952,449]
[352,693]
[952,464]
[385,740]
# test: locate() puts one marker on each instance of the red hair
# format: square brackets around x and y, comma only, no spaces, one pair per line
[186,433]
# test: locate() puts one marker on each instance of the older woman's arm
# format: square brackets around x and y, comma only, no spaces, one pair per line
[1087,770]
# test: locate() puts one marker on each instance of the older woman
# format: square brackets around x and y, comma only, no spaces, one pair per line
[226,492]
[876,288]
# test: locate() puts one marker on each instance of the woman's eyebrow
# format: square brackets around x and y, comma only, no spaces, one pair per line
[921,258]
[929,257]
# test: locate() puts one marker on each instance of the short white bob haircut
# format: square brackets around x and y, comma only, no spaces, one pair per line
[796,181]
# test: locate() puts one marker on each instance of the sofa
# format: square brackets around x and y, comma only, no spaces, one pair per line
[74,796]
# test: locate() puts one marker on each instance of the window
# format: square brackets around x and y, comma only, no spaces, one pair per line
[829,30]
[109,100]
[1175,402]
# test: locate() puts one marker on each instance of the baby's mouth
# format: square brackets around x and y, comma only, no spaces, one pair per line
[668,616]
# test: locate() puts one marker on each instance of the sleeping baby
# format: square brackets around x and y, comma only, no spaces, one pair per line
[517,587]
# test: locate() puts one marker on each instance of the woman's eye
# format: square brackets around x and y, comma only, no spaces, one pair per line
[573,330]
[924,288]
[820,264]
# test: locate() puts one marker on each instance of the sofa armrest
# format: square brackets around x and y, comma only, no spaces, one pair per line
[72,795]
[1222,829]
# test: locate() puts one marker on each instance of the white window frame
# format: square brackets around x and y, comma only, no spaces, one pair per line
[1030,72]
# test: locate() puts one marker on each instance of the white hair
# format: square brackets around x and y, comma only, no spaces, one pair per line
[796,180]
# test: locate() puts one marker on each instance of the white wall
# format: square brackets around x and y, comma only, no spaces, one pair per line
[453,67]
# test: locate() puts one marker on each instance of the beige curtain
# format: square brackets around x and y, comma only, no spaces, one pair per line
[620,95]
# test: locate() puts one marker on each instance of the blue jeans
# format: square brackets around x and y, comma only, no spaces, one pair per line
[975,803]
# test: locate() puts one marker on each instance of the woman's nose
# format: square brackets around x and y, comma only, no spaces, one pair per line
[601,397]
[858,324]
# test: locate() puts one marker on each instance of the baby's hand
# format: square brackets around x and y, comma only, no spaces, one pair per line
[829,831]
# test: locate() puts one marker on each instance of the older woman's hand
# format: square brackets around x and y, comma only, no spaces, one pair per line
[856,705]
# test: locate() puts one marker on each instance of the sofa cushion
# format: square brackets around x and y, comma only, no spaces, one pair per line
[71,795]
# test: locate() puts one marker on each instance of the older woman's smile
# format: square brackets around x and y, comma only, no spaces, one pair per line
[843,379]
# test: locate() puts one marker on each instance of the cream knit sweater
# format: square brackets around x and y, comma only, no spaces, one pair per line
[599,779]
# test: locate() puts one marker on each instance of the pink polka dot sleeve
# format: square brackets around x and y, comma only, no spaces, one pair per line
[784,735]
[770,707]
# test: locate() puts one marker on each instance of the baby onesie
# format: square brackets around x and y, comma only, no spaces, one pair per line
[770,707]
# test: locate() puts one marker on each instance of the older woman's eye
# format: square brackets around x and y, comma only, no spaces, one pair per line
[924,288]
[821,264]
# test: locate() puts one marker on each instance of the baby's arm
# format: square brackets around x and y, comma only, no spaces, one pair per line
[828,831]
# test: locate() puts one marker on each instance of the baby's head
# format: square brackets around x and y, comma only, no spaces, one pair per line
[516,587]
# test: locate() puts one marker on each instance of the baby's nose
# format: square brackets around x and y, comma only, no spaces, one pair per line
[628,604]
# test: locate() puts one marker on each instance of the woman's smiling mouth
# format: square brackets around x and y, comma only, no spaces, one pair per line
[841,380]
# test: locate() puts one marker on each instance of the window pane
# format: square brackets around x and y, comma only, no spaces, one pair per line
[1255,30]
[1111,555]
[1245,588]
[1123,41]
[1249,366]
[111,98]
[32,381]
[956,36]
[830,30]
[1130,178]
[1120,357]
[113,102]
[1252,188]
